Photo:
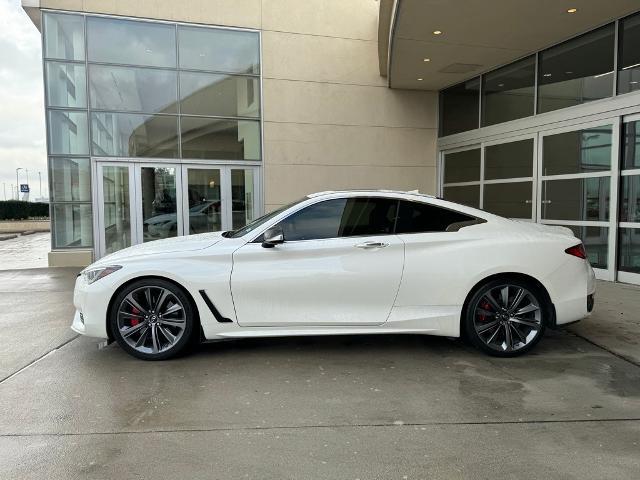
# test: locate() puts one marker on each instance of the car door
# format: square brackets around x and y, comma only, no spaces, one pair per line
[340,264]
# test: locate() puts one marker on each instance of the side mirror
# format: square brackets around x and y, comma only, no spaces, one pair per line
[273,236]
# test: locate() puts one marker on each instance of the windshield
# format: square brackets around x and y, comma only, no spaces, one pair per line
[259,221]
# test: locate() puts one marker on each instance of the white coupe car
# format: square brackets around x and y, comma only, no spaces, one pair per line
[334,263]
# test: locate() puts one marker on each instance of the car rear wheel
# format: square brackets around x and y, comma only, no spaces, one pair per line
[506,317]
[152,319]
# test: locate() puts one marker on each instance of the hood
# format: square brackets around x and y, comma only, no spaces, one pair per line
[167,245]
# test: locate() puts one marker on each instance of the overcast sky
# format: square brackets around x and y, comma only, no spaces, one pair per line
[22,130]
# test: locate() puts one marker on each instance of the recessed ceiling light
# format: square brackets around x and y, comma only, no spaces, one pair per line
[501,84]
[420,79]
[437,32]
[547,75]
[426,59]
[572,10]
[633,82]
[569,72]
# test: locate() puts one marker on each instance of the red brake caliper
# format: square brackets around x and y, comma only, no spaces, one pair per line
[134,321]
[485,306]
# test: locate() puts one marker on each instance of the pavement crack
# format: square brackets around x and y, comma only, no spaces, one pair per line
[608,350]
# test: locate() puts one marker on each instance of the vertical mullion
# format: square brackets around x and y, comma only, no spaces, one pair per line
[535,84]
[482,147]
[616,151]
[616,47]
[481,80]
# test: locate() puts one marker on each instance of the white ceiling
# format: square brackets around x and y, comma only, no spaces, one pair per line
[484,34]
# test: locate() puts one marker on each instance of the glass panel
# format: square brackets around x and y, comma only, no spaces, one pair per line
[70,179]
[117,215]
[462,166]
[68,133]
[577,152]
[368,216]
[66,85]
[222,95]
[416,217]
[576,199]
[631,155]
[511,200]
[577,71]
[63,36]
[508,93]
[630,198]
[134,135]
[596,242]
[219,50]
[159,211]
[629,250]
[242,198]
[72,225]
[509,160]
[133,89]
[129,42]
[467,195]
[315,222]
[205,214]
[629,55]
[459,107]
[218,139]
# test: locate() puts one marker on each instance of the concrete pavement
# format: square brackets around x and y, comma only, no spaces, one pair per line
[344,407]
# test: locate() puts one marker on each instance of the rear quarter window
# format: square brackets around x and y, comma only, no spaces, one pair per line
[418,217]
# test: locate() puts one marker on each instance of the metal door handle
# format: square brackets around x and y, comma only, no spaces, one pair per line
[367,245]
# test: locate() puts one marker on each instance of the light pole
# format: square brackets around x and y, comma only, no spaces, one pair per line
[40,177]
[18,183]
[27,194]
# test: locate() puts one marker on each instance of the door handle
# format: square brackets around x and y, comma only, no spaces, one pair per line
[370,245]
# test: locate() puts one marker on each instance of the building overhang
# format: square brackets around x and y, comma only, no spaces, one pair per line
[477,35]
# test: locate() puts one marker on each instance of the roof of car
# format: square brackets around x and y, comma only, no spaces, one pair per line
[395,192]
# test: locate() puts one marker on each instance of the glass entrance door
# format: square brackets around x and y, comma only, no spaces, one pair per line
[158,202]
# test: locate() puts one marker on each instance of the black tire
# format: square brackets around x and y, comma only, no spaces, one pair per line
[179,321]
[506,332]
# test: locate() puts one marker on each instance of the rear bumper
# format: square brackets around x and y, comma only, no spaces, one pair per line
[573,296]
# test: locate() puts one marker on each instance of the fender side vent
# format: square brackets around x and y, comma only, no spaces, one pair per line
[213,308]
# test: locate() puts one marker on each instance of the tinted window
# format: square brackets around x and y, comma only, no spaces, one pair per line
[629,55]
[507,93]
[416,217]
[459,107]
[341,218]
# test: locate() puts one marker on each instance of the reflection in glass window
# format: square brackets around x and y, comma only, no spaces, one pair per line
[220,95]
[63,36]
[467,195]
[629,250]
[368,216]
[159,204]
[205,213]
[242,197]
[68,134]
[511,200]
[417,217]
[508,93]
[462,166]
[133,89]
[72,225]
[117,214]
[459,107]
[317,221]
[66,85]
[629,54]
[134,135]
[129,42]
[70,179]
[630,198]
[221,139]
[577,71]
[219,50]
[576,199]
[509,160]
[631,152]
[579,151]
[596,243]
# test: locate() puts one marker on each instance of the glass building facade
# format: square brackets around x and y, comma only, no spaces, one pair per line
[154,129]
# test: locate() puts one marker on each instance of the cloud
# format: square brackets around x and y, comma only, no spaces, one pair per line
[22,128]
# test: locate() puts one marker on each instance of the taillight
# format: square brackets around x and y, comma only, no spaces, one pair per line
[577,251]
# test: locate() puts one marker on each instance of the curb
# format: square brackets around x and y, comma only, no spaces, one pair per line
[7,237]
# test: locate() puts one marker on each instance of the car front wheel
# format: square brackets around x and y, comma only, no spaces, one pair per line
[507,317]
[152,319]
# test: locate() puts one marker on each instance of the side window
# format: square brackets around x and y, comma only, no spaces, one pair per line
[320,220]
[417,217]
[368,216]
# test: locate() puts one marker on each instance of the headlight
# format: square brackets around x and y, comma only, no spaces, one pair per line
[93,274]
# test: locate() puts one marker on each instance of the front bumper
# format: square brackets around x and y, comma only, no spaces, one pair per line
[91,303]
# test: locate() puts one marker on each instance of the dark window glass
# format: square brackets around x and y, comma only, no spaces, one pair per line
[577,71]
[581,151]
[508,93]
[416,217]
[629,250]
[576,199]
[512,200]
[631,156]
[630,198]
[143,90]
[509,160]
[215,138]
[462,166]
[629,55]
[220,95]
[317,221]
[459,107]
[596,243]
[467,195]
[219,50]
[131,43]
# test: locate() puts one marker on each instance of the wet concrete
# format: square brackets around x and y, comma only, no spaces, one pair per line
[28,251]
[343,407]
